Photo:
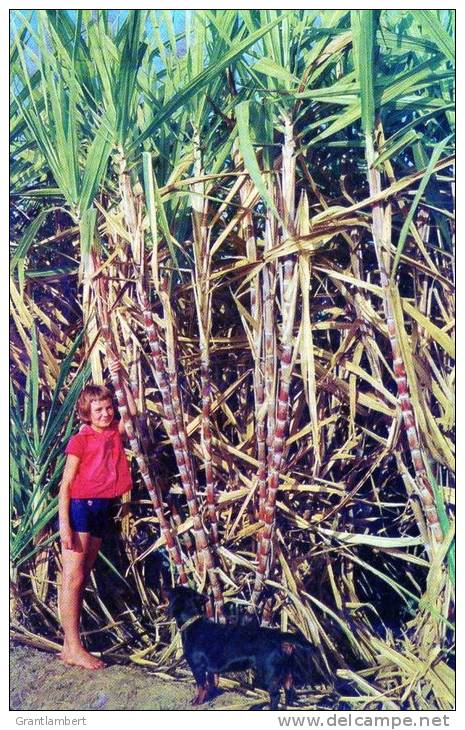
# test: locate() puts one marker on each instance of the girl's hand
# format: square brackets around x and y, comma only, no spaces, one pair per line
[66,536]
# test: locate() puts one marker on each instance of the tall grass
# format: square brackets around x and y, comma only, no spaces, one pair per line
[255,215]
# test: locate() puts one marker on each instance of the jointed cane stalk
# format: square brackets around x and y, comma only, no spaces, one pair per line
[256,309]
[137,242]
[152,489]
[179,443]
[172,375]
[364,45]
[203,301]
[88,311]
[166,377]
[269,346]
[123,409]
[276,453]
[134,378]
[185,538]
[307,355]
[278,437]
[424,488]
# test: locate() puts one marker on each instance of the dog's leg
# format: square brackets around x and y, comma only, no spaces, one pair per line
[289,691]
[272,679]
[200,695]
[212,684]
[273,689]
[213,679]
[202,686]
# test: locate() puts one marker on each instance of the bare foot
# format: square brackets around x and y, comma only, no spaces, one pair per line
[80,658]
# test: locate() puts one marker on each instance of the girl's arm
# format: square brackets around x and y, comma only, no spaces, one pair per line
[114,367]
[66,533]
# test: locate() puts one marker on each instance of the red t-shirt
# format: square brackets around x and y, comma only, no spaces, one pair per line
[103,469]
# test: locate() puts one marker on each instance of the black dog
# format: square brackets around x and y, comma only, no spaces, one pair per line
[211,649]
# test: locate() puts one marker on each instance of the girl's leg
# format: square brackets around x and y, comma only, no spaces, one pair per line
[75,573]
[91,556]
[93,548]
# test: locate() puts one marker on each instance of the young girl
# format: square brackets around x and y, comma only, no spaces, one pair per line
[96,472]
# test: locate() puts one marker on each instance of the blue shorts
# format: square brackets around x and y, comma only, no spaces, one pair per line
[90,515]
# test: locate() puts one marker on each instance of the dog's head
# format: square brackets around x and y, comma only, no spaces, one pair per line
[184,603]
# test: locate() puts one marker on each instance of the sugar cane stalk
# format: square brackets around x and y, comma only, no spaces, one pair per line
[168,386]
[203,301]
[123,409]
[172,375]
[179,442]
[256,309]
[86,271]
[281,425]
[269,345]
[364,46]
[278,436]
[424,488]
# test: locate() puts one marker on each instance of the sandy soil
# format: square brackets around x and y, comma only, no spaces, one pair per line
[40,681]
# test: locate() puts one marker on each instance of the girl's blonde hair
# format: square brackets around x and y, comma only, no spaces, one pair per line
[89,394]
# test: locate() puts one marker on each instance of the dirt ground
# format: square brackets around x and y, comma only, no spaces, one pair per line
[40,681]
